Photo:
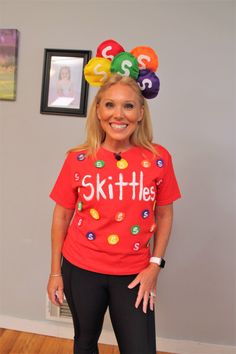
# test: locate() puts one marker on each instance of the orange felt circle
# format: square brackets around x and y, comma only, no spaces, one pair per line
[146,57]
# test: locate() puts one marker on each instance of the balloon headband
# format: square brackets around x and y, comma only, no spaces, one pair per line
[140,64]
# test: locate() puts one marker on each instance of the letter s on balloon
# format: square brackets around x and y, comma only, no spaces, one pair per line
[124,66]
[102,73]
[104,52]
[140,59]
[144,82]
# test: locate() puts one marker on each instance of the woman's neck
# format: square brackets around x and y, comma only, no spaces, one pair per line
[116,147]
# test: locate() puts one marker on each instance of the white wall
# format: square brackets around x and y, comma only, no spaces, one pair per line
[193,117]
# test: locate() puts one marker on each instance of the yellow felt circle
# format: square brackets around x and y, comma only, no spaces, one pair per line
[113,239]
[95,214]
[122,164]
[97,71]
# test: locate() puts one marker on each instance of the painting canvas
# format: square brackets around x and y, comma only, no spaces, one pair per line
[8,63]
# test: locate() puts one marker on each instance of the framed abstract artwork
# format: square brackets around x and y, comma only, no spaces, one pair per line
[64,89]
[9,39]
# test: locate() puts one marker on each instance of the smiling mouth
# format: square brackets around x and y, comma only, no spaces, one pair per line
[118,126]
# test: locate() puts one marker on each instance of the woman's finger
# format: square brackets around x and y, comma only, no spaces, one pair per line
[52,297]
[139,298]
[134,283]
[60,296]
[145,301]
[152,300]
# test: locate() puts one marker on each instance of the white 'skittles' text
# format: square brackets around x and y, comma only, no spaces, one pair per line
[108,188]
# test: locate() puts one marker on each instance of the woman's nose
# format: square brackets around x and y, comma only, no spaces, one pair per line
[118,112]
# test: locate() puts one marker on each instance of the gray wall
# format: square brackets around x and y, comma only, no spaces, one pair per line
[193,117]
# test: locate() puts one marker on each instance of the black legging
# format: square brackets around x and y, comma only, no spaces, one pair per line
[89,294]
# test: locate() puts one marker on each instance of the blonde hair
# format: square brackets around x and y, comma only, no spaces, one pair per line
[95,135]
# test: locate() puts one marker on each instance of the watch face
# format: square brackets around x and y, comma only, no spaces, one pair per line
[163,262]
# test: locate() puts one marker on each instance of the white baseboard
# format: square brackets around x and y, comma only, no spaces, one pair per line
[65,330]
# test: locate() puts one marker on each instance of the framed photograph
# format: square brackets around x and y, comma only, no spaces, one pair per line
[64,89]
[8,63]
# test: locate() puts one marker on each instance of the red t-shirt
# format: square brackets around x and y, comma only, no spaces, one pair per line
[114,202]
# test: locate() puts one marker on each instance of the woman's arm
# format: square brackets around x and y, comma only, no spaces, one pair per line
[60,223]
[164,225]
[148,277]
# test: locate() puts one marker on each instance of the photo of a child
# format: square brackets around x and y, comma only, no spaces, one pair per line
[65,87]
[65,82]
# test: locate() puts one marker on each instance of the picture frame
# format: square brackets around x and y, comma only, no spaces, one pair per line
[64,88]
[9,41]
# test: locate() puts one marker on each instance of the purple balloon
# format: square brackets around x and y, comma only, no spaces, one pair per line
[149,83]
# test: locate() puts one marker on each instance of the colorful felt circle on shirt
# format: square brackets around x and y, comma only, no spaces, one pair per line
[99,163]
[76,176]
[80,206]
[122,164]
[135,229]
[80,221]
[108,49]
[119,216]
[94,213]
[149,83]
[97,71]
[125,64]
[146,163]
[145,213]
[90,236]
[136,246]
[160,163]
[113,239]
[81,157]
[152,228]
[146,57]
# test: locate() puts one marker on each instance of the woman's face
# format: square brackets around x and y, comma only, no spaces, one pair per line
[119,112]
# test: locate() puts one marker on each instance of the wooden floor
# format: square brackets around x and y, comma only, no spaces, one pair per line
[15,342]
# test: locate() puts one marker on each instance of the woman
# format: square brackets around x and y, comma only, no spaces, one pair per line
[107,196]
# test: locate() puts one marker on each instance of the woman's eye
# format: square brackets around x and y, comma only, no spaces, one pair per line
[129,106]
[108,104]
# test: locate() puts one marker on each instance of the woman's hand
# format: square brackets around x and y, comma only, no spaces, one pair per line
[60,223]
[55,290]
[148,277]
[147,289]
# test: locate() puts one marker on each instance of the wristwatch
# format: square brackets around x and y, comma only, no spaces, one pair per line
[160,261]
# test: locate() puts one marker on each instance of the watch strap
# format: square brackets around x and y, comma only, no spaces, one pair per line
[159,261]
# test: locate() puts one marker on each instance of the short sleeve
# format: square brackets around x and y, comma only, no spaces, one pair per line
[64,192]
[167,188]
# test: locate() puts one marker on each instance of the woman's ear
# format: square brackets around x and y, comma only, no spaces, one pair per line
[141,114]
